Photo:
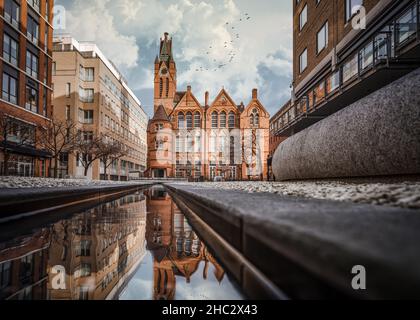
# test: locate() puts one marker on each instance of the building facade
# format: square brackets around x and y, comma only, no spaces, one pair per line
[25,68]
[275,139]
[187,139]
[91,92]
[345,50]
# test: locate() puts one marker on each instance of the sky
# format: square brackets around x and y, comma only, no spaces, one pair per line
[257,33]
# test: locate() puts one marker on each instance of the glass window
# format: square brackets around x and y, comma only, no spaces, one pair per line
[333,82]
[10,88]
[10,50]
[32,30]
[34,4]
[12,12]
[214,120]
[303,17]
[255,118]
[350,69]
[181,121]
[189,120]
[223,120]
[381,47]
[366,56]
[303,61]
[5,274]
[231,120]
[322,38]
[319,92]
[352,7]
[197,120]
[31,64]
[31,98]
[407,25]
[86,116]
[86,95]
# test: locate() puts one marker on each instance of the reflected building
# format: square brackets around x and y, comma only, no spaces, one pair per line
[99,249]
[23,267]
[177,251]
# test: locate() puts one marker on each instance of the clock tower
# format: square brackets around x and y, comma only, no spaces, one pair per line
[165,76]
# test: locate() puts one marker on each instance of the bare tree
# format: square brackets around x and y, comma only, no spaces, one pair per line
[58,137]
[89,150]
[13,134]
[110,151]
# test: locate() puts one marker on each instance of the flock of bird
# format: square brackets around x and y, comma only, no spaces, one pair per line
[228,46]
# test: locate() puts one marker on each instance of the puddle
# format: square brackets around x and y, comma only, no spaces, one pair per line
[140,247]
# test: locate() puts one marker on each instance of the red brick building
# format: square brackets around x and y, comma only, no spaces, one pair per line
[25,68]
[345,50]
[218,139]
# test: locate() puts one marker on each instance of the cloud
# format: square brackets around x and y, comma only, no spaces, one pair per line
[128,32]
[92,21]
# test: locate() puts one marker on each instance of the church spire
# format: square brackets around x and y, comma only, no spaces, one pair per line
[166,48]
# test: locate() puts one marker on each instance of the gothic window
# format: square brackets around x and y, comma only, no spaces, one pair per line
[214,119]
[167,87]
[231,120]
[181,121]
[223,120]
[160,87]
[189,120]
[255,118]
[197,120]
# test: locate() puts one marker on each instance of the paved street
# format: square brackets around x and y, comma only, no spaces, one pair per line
[397,194]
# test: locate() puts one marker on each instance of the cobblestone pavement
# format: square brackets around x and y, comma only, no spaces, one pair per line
[25,182]
[397,194]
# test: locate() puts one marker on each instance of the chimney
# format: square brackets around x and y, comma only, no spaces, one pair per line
[189,88]
[254,94]
[206,100]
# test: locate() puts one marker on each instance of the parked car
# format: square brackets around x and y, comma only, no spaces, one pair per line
[218,179]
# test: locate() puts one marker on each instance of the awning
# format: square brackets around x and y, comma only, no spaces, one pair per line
[27,151]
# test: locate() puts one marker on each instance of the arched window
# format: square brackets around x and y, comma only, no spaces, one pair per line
[189,120]
[231,120]
[160,87]
[181,121]
[255,118]
[223,120]
[197,120]
[167,87]
[214,120]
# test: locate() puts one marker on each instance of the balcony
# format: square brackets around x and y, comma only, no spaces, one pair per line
[386,56]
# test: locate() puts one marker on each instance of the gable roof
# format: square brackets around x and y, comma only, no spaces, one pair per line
[252,103]
[183,97]
[178,96]
[223,92]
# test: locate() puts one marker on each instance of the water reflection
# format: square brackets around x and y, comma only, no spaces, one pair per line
[138,247]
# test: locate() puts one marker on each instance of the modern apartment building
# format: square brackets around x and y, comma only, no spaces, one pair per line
[25,69]
[91,92]
[345,50]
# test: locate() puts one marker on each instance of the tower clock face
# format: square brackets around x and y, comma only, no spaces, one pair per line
[164,71]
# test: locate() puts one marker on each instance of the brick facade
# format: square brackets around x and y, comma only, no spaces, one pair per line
[203,125]
[26,159]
